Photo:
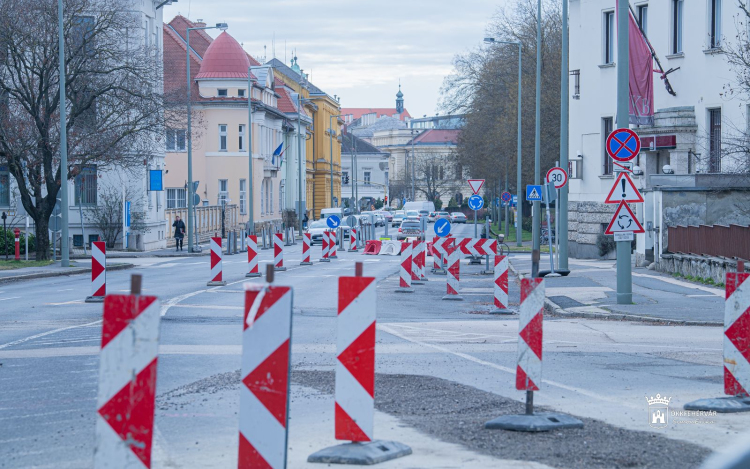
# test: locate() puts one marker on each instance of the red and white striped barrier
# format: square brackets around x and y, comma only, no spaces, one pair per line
[422,260]
[355,364]
[98,272]
[278,252]
[332,245]
[437,263]
[404,282]
[252,256]
[441,249]
[353,240]
[529,368]
[127,381]
[416,279]
[306,249]
[453,270]
[216,268]
[737,334]
[325,248]
[478,246]
[501,285]
[264,393]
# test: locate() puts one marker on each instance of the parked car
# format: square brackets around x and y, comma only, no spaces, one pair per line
[398,217]
[409,228]
[431,217]
[458,217]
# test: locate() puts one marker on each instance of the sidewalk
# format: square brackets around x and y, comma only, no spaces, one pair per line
[53,270]
[591,291]
[166,252]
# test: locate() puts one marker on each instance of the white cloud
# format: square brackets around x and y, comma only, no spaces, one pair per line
[357,50]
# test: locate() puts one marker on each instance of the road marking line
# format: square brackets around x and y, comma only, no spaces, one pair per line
[182,305]
[43,334]
[10,298]
[65,303]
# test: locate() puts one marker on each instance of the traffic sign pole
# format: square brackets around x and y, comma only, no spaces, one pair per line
[624,274]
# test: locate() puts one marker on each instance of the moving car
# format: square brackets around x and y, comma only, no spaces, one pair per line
[431,217]
[412,214]
[327,212]
[409,228]
[386,214]
[429,206]
[317,227]
[378,218]
[424,214]
[458,217]
[398,217]
[439,215]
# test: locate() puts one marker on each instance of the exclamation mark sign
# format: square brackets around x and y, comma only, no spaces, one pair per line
[623,187]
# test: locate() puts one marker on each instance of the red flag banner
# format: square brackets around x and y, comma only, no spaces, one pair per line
[641,108]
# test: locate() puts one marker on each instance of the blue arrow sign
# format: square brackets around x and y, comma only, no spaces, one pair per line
[534,193]
[475,202]
[333,221]
[442,227]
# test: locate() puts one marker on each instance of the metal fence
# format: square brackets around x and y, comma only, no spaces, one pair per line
[731,241]
[207,221]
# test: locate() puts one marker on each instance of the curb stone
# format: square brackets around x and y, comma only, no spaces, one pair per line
[74,271]
[555,309]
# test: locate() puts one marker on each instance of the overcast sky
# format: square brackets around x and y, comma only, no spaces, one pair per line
[359,49]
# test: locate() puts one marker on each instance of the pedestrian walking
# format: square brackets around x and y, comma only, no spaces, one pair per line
[179,232]
[305,220]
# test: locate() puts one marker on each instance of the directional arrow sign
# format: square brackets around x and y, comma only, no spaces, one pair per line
[624,220]
[442,227]
[333,221]
[476,184]
[624,191]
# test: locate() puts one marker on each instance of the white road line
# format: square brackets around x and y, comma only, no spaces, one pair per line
[10,298]
[182,305]
[20,341]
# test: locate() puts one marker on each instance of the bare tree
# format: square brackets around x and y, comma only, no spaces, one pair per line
[435,176]
[106,215]
[112,82]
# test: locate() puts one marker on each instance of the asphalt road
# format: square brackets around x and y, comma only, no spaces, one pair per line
[598,370]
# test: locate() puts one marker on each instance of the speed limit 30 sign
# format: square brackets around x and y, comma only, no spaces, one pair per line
[558,177]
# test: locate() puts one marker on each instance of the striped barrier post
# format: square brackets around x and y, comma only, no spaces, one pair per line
[332,245]
[416,279]
[306,249]
[437,263]
[736,349]
[98,272]
[353,240]
[404,283]
[355,378]
[529,366]
[216,267]
[264,393]
[422,260]
[252,256]
[501,285]
[127,381]
[325,248]
[264,235]
[453,271]
[278,253]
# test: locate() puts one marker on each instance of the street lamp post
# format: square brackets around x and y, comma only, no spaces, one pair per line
[64,254]
[300,161]
[223,27]
[624,274]
[330,144]
[537,144]
[519,214]
[413,167]
[250,180]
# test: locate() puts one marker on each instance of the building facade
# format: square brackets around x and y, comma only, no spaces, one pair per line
[365,172]
[685,151]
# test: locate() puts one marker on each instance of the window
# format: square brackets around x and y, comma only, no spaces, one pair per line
[222,191]
[366,177]
[243,196]
[715,26]
[241,93]
[606,130]
[242,137]
[714,140]
[608,42]
[176,139]
[221,92]
[263,197]
[345,177]
[4,186]
[176,198]
[85,185]
[576,74]
[222,137]
[643,18]
[677,8]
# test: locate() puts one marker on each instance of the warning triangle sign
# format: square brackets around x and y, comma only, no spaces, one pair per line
[624,190]
[476,184]
[624,221]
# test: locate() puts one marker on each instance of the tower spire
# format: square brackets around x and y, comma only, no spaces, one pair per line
[399,99]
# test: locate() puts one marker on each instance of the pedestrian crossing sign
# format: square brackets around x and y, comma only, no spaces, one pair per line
[534,193]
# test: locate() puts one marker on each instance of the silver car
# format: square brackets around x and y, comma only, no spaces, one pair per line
[458,217]
[317,228]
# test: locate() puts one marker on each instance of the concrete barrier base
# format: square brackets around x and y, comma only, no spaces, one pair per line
[723,405]
[361,454]
[536,422]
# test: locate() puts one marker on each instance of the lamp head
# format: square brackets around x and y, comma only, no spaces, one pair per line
[667,169]
[489,39]
[222,26]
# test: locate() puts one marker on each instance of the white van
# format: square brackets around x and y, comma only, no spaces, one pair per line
[327,212]
[420,206]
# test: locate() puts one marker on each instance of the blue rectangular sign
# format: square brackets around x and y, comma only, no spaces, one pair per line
[534,193]
[156,180]
[127,214]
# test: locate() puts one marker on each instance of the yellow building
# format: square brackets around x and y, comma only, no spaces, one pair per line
[326,115]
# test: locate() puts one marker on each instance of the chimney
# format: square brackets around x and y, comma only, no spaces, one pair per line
[200,24]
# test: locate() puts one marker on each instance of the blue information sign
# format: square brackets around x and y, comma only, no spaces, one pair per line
[475,202]
[534,193]
[442,227]
[333,221]
[156,180]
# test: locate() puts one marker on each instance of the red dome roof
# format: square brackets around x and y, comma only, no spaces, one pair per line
[224,58]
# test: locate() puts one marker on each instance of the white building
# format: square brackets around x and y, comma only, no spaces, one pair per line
[370,180]
[689,36]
